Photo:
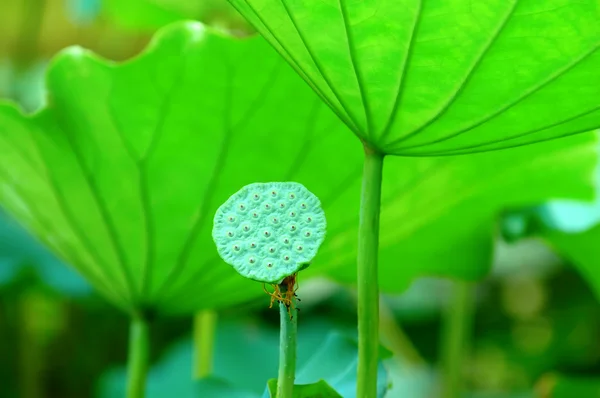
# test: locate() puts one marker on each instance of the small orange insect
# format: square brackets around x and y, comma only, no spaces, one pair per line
[286,293]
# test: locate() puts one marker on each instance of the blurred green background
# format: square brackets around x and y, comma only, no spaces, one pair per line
[535,317]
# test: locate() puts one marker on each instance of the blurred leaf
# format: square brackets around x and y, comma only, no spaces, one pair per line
[417,77]
[19,250]
[320,389]
[149,15]
[559,386]
[122,174]
[154,14]
[322,354]
[582,249]
[439,214]
[569,215]
[336,362]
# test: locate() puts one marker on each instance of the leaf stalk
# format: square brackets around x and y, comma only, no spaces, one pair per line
[138,356]
[367,272]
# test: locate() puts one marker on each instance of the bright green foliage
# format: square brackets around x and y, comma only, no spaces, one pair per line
[416,77]
[439,214]
[268,231]
[122,174]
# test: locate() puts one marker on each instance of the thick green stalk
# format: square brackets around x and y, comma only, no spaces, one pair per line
[455,337]
[137,361]
[287,351]
[368,287]
[205,323]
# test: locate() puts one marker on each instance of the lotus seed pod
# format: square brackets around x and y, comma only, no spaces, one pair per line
[268,231]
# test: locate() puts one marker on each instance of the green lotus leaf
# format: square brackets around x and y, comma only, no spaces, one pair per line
[268,231]
[415,77]
[439,215]
[122,173]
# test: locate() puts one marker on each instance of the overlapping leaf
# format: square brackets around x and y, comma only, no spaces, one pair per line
[416,77]
[581,249]
[121,175]
[439,214]
[570,227]
[323,355]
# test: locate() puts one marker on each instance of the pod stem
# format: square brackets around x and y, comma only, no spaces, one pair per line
[138,357]
[287,346]
[368,287]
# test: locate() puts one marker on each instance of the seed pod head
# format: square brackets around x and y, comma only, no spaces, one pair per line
[268,231]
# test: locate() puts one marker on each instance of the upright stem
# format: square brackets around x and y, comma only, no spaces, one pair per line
[368,287]
[455,337]
[287,351]
[137,361]
[205,323]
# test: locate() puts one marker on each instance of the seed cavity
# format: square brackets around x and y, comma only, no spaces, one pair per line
[303,206]
[292,214]
[246,228]
[271,250]
[299,248]
[251,260]
[269,264]
[307,234]
[236,248]
[292,196]
[308,219]
[275,220]
[255,215]
[273,193]
[253,245]
[256,196]
[267,233]
[242,207]
[230,234]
